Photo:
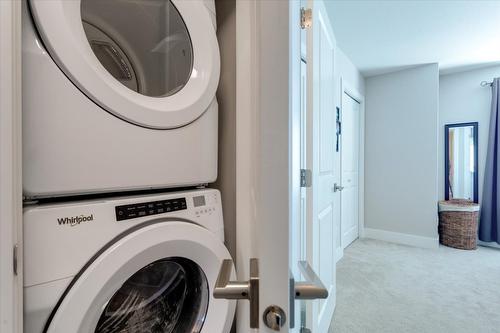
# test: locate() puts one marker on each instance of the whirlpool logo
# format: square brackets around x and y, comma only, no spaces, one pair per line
[75,220]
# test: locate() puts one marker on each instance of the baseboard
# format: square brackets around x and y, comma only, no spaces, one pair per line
[400,238]
[488,244]
[339,253]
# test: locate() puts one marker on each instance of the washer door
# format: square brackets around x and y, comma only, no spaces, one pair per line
[158,278]
[154,63]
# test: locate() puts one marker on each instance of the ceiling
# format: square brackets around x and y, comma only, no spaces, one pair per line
[384,36]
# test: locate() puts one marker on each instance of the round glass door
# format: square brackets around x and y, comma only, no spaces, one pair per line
[145,45]
[155,279]
[169,295]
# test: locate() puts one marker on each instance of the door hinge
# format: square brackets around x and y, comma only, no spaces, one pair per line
[305,18]
[305,178]
[14,259]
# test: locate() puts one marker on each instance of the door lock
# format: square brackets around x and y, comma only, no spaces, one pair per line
[274,317]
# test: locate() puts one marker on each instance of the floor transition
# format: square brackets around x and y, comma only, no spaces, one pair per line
[384,287]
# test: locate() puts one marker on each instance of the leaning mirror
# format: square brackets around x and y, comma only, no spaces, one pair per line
[461,155]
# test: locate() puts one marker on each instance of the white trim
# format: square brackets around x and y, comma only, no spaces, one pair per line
[346,87]
[339,253]
[400,238]
[10,167]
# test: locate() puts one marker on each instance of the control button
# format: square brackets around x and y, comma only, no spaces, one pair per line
[149,208]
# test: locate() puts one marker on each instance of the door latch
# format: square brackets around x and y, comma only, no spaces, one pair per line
[15,260]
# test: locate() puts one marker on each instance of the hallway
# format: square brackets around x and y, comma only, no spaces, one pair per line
[384,287]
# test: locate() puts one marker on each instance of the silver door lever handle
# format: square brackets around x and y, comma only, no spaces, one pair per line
[337,187]
[312,288]
[226,289]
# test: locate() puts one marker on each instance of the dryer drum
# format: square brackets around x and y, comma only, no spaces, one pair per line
[112,56]
[151,47]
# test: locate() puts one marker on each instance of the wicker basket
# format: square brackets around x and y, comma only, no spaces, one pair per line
[458,223]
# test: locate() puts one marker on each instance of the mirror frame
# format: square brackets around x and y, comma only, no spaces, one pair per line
[475,126]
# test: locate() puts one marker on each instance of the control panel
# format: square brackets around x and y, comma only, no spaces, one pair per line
[135,210]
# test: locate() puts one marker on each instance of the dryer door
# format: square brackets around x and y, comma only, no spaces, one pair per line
[154,63]
[158,278]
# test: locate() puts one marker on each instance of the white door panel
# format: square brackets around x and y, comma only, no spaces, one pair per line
[350,169]
[269,225]
[323,203]
[263,143]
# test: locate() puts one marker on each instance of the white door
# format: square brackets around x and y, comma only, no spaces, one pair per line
[323,207]
[290,256]
[350,169]
[11,278]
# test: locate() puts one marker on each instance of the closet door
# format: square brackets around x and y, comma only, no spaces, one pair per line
[350,169]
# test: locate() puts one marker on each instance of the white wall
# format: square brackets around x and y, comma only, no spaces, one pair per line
[462,99]
[349,73]
[401,155]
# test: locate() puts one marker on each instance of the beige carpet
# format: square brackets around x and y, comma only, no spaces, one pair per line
[389,288]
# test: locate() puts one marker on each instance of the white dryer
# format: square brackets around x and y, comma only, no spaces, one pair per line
[131,264]
[118,95]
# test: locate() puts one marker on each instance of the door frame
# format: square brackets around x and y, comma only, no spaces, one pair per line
[11,284]
[347,88]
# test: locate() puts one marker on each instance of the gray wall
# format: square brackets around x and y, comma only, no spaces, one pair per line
[226,96]
[401,151]
[462,99]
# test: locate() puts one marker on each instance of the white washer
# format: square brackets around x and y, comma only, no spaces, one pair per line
[118,95]
[126,263]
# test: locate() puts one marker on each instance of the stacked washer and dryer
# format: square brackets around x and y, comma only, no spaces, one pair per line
[119,104]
